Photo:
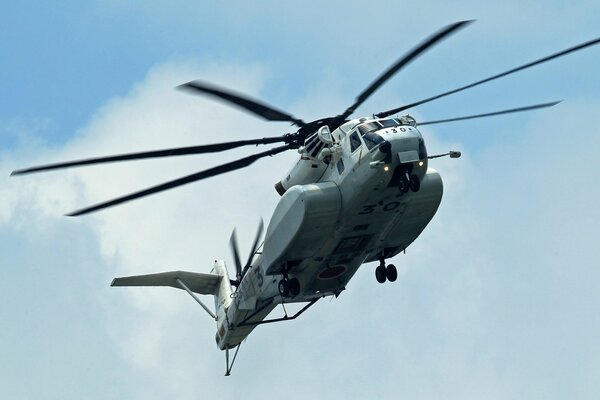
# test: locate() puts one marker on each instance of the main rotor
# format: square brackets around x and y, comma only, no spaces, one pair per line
[292,140]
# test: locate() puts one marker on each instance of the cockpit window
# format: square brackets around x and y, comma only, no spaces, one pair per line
[368,127]
[389,123]
[355,142]
[372,140]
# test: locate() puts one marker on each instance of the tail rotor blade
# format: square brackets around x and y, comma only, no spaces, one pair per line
[236,255]
[259,233]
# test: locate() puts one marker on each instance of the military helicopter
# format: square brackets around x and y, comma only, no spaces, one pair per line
[361,191]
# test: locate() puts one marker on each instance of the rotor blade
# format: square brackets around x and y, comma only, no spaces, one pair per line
[414,53]
[491,114]
[221,169]
[236,255]
[254,106]
[259,232]
[491,78]
[179,151]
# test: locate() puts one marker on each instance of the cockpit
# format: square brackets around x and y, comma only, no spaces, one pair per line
[367,127]
[367,130]
[371,126]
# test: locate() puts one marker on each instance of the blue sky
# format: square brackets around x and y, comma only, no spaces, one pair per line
[497,299]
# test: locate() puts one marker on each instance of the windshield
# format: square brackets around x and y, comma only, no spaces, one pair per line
[368,127]
[389,123]
[372,140]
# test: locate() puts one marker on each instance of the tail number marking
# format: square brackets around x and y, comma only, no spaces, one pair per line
[369,208]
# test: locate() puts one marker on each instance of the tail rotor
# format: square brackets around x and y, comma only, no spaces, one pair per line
[239,270]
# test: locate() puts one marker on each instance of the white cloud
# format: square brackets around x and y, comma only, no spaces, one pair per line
[439,332]
[185,229]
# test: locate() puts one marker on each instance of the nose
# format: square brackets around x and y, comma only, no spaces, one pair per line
[406,147]
[408,150]
[385,147]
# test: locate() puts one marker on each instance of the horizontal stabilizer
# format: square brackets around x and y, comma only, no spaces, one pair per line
[196,282]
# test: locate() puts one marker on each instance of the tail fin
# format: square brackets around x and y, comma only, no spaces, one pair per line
[223,291]
[196,282]
[216,283]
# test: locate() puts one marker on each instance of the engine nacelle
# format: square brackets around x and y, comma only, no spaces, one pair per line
[306,170]
[302,218]
[310,166]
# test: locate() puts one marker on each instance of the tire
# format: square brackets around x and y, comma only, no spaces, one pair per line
[403,184]
[380,274]
[284,288]
[391,273]
[294,287]
[414,183]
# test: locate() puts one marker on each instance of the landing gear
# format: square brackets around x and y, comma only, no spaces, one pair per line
[406,180]
[391,273]
[289,287]
[284,288]
[230,365]
[294,286]
[383,272]
[403,184]
[414,183]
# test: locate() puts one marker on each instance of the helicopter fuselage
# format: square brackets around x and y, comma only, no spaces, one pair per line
[322,232]
[360,193]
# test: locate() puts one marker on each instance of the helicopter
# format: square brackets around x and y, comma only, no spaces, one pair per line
[361,191]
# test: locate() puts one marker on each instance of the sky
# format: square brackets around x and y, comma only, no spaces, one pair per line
[497,299]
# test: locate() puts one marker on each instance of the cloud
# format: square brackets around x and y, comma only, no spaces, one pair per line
[185,229]
[454,326]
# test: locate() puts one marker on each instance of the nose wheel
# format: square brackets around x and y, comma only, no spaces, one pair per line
[386,272]
[414,183]
[403,184]
[407,181]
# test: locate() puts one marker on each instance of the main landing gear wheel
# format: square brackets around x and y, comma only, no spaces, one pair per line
[391,273]
[284,288]
[294,287]
[383,272]
[414,183]
[380,274]
[289,287]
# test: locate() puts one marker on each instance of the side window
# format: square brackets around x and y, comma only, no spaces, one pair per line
[340,166]
[355,142]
